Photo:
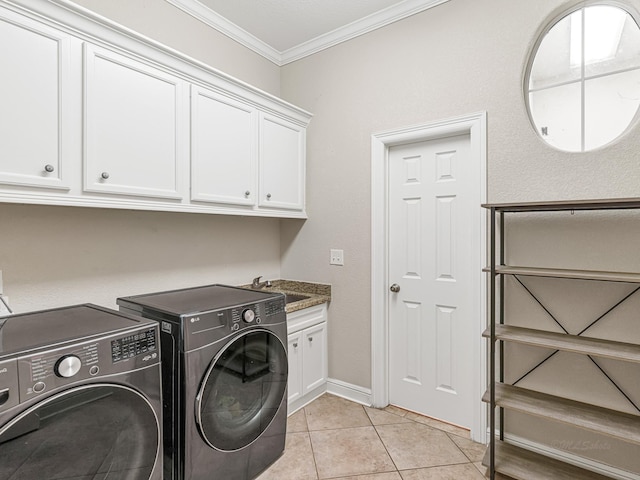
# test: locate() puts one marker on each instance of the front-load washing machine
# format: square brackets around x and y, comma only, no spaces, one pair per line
[224,366]
[79,396]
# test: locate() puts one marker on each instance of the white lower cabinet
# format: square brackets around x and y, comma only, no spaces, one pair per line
[308,364]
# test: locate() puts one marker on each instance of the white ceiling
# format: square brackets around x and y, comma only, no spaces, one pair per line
[286,30]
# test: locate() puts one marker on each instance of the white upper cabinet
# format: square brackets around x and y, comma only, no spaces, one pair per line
[33,99]
[134,126]
[223,149]
[282,164]
[93,114]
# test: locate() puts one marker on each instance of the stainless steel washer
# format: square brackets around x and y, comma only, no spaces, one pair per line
[224,379]
[79,396]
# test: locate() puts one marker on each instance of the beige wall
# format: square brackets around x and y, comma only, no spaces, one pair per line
[169,25]
[461,57]
[56,256]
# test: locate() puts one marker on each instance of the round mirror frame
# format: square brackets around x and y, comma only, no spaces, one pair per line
[533,53]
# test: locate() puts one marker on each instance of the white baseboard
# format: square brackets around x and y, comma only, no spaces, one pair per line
[572,459]
[349,391]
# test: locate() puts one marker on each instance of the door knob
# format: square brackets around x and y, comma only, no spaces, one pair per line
[395,288]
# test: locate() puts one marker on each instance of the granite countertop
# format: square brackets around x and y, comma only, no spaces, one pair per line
[317,293]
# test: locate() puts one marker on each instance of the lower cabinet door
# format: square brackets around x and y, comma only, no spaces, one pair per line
[314,343]
[295,367]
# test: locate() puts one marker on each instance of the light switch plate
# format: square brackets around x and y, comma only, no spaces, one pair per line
[337,257]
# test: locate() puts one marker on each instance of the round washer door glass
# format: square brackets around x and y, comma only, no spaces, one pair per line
[98,431]
[242,390]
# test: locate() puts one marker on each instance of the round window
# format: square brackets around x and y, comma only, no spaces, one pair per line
[583,79]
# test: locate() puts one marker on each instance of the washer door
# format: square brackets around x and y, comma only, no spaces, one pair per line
[91,432]
[242,390]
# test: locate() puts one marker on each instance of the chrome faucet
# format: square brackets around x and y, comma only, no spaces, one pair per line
[257,284]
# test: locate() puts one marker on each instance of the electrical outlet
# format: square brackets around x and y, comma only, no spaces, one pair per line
[337,257]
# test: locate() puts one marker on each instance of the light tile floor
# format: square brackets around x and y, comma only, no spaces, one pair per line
[333,438]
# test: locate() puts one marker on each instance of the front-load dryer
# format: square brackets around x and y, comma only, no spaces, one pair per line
[79,396]
[224,379]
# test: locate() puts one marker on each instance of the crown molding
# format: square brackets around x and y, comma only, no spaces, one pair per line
[360,27]
[231,30]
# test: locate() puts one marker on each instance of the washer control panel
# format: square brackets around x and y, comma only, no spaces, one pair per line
[45,371]
[132,345]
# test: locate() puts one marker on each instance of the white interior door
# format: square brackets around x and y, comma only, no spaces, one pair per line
[434,237]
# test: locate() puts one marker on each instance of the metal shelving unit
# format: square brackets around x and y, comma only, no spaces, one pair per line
[507,459]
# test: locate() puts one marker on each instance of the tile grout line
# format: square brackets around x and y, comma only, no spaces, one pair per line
[458,446]
[381,441]
[313,452]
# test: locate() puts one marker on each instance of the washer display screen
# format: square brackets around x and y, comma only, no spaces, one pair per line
[98,431]
[242,390]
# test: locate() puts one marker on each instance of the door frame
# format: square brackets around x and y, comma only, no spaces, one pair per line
[476,126]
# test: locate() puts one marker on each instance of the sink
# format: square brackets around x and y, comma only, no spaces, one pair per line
[293,297]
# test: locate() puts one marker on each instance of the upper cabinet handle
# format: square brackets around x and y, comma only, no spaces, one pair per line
[105,175]
[268,196]
[49,168]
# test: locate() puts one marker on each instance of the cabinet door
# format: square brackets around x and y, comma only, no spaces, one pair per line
[223,149]
[294,384]
[35,103]
[135,126]
[314,344]
[282,164]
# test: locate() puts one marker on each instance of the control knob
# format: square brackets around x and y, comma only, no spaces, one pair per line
[67,366]
[248,315]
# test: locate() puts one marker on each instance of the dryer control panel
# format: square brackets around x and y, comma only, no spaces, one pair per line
[209,327]
[51,369]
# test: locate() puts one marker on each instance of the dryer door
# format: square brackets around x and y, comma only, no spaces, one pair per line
[242,390]
[91,432]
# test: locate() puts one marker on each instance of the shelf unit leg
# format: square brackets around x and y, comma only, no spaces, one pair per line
[492,349]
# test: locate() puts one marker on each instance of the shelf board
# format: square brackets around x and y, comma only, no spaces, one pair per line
[522,464]
[590,417]
[566,205]
[564,273]
[627,352]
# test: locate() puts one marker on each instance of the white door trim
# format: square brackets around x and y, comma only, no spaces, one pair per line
[476,126]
